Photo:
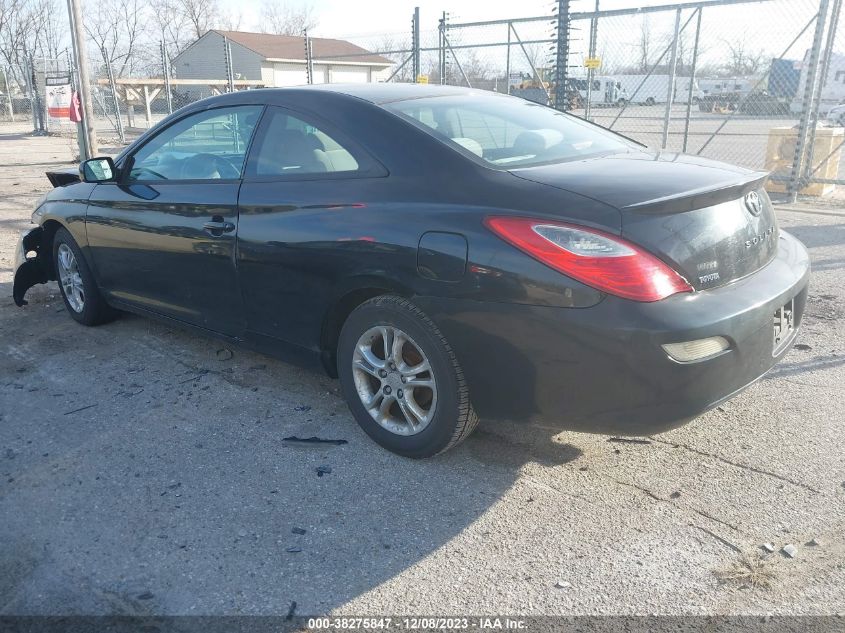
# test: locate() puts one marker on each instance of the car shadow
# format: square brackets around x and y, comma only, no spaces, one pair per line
[141,478]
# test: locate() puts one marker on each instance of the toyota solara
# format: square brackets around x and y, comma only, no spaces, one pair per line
[447,253]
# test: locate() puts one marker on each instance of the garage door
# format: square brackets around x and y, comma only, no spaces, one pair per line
[341,75]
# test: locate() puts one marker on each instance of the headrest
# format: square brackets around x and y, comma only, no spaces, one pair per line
[469,144]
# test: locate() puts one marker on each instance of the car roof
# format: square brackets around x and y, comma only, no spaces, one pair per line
[380,93]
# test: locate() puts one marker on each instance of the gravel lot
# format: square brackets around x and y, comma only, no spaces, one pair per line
[143,471]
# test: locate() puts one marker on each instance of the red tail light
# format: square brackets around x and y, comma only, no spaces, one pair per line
[601,260]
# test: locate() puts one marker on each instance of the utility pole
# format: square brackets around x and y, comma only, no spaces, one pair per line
[562,55]
[80,54]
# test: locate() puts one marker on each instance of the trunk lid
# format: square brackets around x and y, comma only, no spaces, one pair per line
[713,223]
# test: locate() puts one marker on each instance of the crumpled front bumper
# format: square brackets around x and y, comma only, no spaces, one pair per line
[32,270]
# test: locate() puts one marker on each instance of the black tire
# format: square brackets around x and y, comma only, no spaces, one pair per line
[95,310]
[453,418]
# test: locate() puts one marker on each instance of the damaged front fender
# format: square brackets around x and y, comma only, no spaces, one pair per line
[33,265]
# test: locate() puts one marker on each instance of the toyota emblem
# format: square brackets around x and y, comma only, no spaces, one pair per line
[753,203]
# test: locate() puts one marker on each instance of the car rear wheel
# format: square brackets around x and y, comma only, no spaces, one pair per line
[79,291]
[401,379]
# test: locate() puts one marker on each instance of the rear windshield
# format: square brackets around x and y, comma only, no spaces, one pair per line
[507,131]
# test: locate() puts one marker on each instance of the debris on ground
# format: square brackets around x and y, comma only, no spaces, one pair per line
[675,494]
[313,440]
[802,346]
[748,570]
[224,353]
[146,596]
[769,547]
[812,543]
[291,611]
[790,550]
[302,407]
[323,470]
[562,584]
[298,530]
[628,440]
[293,549]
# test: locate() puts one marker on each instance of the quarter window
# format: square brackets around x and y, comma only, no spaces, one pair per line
[208,145]
[290,146]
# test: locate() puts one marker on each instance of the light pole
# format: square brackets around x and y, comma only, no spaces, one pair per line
[80,54]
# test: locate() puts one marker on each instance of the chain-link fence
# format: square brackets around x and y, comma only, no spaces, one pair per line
[757,83]
[751,82]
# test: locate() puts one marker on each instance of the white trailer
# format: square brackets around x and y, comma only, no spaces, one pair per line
[605,90]
[833,86]
[653,89]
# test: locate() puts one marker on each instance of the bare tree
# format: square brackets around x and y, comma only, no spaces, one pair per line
[116,28]
[743,61]
[282,19]
[28,30]
[170,26]
[201,15]
[643,44]
[389,43]
[230,20]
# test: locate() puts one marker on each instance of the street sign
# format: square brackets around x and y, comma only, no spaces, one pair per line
[592,63]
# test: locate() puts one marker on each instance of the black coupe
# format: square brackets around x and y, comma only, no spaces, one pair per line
[445,252]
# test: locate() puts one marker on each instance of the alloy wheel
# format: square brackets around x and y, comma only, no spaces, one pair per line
[394,379]
[70,278]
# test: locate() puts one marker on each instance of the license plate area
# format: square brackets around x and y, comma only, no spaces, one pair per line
[784,327]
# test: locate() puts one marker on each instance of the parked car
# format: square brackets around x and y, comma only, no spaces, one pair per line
[448,253]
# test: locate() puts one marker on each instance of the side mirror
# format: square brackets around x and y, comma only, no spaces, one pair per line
[100,169]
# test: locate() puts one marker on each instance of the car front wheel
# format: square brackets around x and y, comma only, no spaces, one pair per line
[79,291]
[402,380]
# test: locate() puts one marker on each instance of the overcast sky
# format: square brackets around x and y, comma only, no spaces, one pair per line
[765,26]
[339,18]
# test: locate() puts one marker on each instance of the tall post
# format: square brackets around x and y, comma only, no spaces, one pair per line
[562,54]
[415,43]
[441,60]
[80,54]
[9,95]
[165,69]
[808,100]
[508,60]
[115,101]
[227,58]
[673,73]
[309,68]
[824,70]
[30,88]
[693,68]
[594,26]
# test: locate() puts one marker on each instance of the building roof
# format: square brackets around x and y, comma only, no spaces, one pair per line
[292,47]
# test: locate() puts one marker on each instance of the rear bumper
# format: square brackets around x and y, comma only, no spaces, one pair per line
[603,370]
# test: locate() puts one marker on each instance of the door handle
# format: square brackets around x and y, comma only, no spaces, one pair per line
[218,227]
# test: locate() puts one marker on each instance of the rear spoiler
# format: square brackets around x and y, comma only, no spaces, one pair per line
[700,198]
[63,177]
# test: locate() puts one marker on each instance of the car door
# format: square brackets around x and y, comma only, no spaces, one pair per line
[307,195]
[163,236]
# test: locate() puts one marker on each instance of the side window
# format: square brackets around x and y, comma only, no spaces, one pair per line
[290,146]
[208,145]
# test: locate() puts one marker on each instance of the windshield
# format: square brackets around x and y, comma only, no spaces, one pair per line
[509,132]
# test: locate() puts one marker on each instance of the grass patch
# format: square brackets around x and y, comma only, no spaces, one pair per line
[752,570]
